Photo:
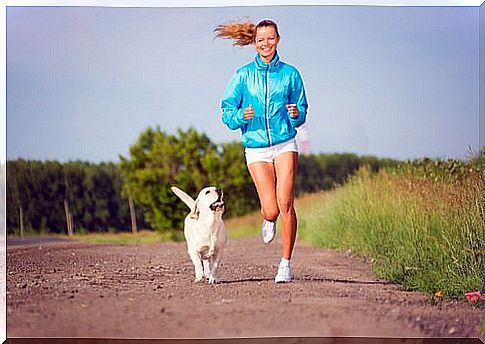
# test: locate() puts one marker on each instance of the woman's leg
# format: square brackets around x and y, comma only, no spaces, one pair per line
[286,165]
[264,177]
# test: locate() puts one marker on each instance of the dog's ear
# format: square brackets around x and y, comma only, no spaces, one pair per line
[194,213]
[189,201]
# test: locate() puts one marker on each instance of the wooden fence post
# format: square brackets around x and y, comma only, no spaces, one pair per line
[134,228]
[21,215]
[68,218]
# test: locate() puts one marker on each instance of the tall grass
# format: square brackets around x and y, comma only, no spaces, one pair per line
[423,230]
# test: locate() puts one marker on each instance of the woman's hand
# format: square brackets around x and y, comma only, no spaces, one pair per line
[292,110]
[248,112]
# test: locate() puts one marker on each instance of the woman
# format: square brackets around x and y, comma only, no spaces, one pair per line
[266,100]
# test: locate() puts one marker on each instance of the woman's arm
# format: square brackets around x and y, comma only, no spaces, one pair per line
[298,97]
[232,113]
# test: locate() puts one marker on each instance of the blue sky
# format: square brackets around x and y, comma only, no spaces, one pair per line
[83,82]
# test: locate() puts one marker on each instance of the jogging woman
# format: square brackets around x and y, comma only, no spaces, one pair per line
[265,99]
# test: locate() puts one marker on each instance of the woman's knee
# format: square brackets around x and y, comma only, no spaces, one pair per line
[270,213]
[286,206]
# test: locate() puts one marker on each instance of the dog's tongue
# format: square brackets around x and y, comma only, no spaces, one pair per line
[217,204]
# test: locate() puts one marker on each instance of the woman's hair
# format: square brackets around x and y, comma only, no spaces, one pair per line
[242,32]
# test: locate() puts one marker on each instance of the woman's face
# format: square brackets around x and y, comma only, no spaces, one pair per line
[266,41]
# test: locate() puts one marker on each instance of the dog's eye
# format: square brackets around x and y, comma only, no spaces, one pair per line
[207,192]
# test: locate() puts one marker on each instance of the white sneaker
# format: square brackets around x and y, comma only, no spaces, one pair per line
[284,274]
[268,231]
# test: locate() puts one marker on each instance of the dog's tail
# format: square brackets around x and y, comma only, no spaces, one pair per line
[184,197]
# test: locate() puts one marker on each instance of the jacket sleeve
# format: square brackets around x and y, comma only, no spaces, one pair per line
[232,113]
[298,97]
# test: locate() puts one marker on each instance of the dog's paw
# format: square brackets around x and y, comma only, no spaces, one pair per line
[212,280]
[198,280]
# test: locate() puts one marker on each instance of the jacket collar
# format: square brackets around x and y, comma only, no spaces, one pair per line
[274,64]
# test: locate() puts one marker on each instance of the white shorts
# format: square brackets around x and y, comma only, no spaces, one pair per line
[268,154]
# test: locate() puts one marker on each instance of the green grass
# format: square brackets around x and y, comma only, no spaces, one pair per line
[422,234]
[244,226]
[248,225]
[127,238]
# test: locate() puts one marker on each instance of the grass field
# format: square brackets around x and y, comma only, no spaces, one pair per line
[126,238]
[422,232]
[244,226]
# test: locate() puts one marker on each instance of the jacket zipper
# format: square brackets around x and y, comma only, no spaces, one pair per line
[267,106]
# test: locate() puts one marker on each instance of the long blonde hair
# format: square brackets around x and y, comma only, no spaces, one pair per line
[242,32]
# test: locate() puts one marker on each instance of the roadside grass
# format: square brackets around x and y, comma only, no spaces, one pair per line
[422,233]
[244,226]
[250,224]
[127,238]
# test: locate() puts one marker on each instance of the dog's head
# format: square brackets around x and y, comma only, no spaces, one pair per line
[210,199]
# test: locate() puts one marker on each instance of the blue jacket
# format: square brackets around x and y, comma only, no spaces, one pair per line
[268,88]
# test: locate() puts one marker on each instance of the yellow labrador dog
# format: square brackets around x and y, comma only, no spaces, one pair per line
[204,231]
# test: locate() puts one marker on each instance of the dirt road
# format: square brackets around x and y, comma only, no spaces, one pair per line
[146,291]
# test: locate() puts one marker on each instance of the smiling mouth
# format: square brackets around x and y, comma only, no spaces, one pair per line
[218,204]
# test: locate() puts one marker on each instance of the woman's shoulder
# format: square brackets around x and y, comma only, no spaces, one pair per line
[246,68]
[289,68]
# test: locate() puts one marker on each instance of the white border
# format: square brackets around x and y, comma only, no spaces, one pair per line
[148,3]
[227,3]
[3,166]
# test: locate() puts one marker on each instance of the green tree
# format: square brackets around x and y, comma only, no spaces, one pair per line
[158,161]
[42,191]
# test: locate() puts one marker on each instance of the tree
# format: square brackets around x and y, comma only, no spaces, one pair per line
[53,197]
[158,161]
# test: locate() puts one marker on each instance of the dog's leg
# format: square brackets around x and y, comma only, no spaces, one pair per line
[214,265]
[210,253]
[199,270]
[206,268]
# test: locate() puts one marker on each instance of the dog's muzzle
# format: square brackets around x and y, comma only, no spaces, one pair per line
[219,203]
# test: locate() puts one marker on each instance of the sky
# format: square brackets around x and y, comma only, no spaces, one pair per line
[389,81]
